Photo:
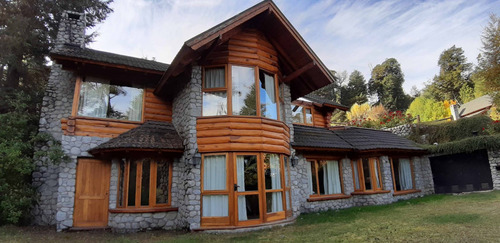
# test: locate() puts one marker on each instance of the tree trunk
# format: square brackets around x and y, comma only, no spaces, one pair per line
[13,76]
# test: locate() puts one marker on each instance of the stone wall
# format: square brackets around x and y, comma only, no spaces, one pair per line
[494,158]
[186,107]
[71,29]
[74,147]
[401,130]
[423,182]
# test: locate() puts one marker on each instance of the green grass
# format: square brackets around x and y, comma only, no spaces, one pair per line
[471,217]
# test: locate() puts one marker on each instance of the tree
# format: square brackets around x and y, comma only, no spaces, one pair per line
[454,73]
[333,91]
[387,84]
[489,59]
[429,109]
[356,91]
[28,29]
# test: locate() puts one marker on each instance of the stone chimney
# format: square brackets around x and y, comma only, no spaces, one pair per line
[455,112]
[71,29]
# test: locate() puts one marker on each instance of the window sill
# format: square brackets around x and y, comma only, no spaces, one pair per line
[105,119]
[399,193]
[141,210]
[325,198]
[370,192]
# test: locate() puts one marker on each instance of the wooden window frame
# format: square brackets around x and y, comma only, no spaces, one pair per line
[402,192]
[274,215]
[229,93]
[361,177]
[304,116]
[76,103]
[138,183]
[319,197]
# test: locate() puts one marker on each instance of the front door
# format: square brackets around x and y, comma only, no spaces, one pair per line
[92,193]
[248,204]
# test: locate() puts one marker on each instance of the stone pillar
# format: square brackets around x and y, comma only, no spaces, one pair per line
[347,176]
[386,172]
[494,159]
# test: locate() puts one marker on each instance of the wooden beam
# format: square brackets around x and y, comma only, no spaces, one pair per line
[298,72]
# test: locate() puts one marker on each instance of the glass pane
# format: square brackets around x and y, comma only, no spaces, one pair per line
[329,177]
[102,100]
[274,202]
[215,206]
[313,177]
[366,172]
[287,171]
[246,168]
[297,116]
[355,167]
[93,99]
[268,106]
[214,103]
[214,172]
[396,182]
[215,78]
[309,116]
[146,170]
[162,182]
[376,174]
[248,207]
[244,94]
[131,183]
[272,171]
[121,179]
[405,175]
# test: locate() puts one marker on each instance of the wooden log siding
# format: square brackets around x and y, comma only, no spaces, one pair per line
[250,47]
[319,118]
[234,133]
[154,109]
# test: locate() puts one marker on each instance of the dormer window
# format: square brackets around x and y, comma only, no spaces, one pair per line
[302,115]
[249,91]
[99,98]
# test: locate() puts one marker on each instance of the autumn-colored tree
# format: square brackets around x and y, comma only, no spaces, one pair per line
[358,111]
[429,109]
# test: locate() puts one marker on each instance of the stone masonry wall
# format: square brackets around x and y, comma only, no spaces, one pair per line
[74,146]
[423,181]
[402,130]
[494,158]
[186,107]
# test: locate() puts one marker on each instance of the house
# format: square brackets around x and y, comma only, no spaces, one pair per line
[224,137]
[474,107]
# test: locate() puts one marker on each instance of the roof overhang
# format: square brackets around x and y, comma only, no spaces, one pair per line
[300,66]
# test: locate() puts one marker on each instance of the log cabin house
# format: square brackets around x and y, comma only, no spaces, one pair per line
[225,137]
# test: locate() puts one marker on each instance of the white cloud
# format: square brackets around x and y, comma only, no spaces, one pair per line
[346,35]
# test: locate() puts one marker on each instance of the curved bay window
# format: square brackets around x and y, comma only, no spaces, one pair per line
[144,184]
[366,175]
[244,188]
[240,91]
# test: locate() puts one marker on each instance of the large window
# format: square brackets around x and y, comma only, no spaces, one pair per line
[366,174]
[100,99]
[248,92]
[302,115]
[324,177]
[402,174]
[144,183]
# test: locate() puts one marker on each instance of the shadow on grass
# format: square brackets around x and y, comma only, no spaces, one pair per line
[351,214]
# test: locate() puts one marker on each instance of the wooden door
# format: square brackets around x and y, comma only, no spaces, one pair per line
[92,193]
[247,192]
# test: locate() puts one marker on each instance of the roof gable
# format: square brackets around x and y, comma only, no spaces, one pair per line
[300,66]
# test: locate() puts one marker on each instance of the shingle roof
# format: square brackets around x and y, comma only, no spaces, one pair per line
[352,138]
[307,136]
[73,51]
[150,135]
[317,99]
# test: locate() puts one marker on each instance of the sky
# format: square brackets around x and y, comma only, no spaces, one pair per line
[346,35]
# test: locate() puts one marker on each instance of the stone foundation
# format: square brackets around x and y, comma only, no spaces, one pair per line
[494,158]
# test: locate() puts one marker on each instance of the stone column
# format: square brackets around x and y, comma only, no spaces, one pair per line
[347,176]
[494,159]
[386,172]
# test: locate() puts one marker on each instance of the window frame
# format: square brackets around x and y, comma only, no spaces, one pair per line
[319,197]
[76,103]
[138,183]
[304,115]
[412,174]
[361,176]
[229,85]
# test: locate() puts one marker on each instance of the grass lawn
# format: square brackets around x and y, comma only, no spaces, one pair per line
[438,218]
